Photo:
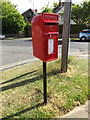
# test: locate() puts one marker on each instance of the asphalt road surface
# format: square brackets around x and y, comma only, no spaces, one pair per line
[20,50]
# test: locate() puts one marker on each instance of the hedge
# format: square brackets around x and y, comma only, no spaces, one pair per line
[75,29]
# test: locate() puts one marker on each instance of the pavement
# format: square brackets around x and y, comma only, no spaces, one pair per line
[9,66]
[82,111]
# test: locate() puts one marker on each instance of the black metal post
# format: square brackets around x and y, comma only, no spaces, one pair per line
[45,82]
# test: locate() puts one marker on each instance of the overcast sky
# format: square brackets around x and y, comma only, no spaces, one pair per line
[23,5]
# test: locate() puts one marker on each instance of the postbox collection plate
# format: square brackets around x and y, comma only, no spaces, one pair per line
[50,46]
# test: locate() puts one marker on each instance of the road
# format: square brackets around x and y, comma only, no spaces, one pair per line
[20,50]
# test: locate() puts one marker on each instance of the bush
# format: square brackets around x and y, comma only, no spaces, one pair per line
[60,29]
[75,29]
[27,29]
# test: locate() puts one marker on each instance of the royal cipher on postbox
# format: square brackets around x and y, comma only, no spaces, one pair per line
[45,36]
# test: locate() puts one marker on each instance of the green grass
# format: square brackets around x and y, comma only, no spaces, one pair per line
[22,89]
[10,38]
[75,39]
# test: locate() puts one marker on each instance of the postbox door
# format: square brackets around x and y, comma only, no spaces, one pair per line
[50,47]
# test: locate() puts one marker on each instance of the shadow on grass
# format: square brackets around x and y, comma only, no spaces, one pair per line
[14,85]
[18,77]
[23,111]
[21,83]
[54,72]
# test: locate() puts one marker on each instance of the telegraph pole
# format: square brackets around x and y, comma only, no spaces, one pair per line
[65,35]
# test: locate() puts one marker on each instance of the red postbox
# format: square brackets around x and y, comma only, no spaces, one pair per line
[45,36]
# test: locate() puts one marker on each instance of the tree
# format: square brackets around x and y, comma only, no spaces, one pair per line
[80,13]
[55,4]
[47,9]
[12,20]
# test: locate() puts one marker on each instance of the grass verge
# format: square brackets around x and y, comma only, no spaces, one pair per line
[22,89]
[10,38]
[75,39]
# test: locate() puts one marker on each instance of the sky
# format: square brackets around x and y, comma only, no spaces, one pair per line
[23,5]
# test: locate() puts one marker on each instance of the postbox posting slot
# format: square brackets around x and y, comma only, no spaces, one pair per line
[50,33]
[51,23]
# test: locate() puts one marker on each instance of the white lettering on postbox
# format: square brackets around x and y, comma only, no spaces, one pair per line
[48,17]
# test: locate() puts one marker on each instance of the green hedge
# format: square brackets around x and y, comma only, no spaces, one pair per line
[75,29]
[27,30]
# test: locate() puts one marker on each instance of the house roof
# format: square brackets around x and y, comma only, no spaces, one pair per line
[61,10]
[28,13]
[56,9]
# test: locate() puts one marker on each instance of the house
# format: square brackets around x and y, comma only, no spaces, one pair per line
[29,14]
[60,6]
[60,11]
